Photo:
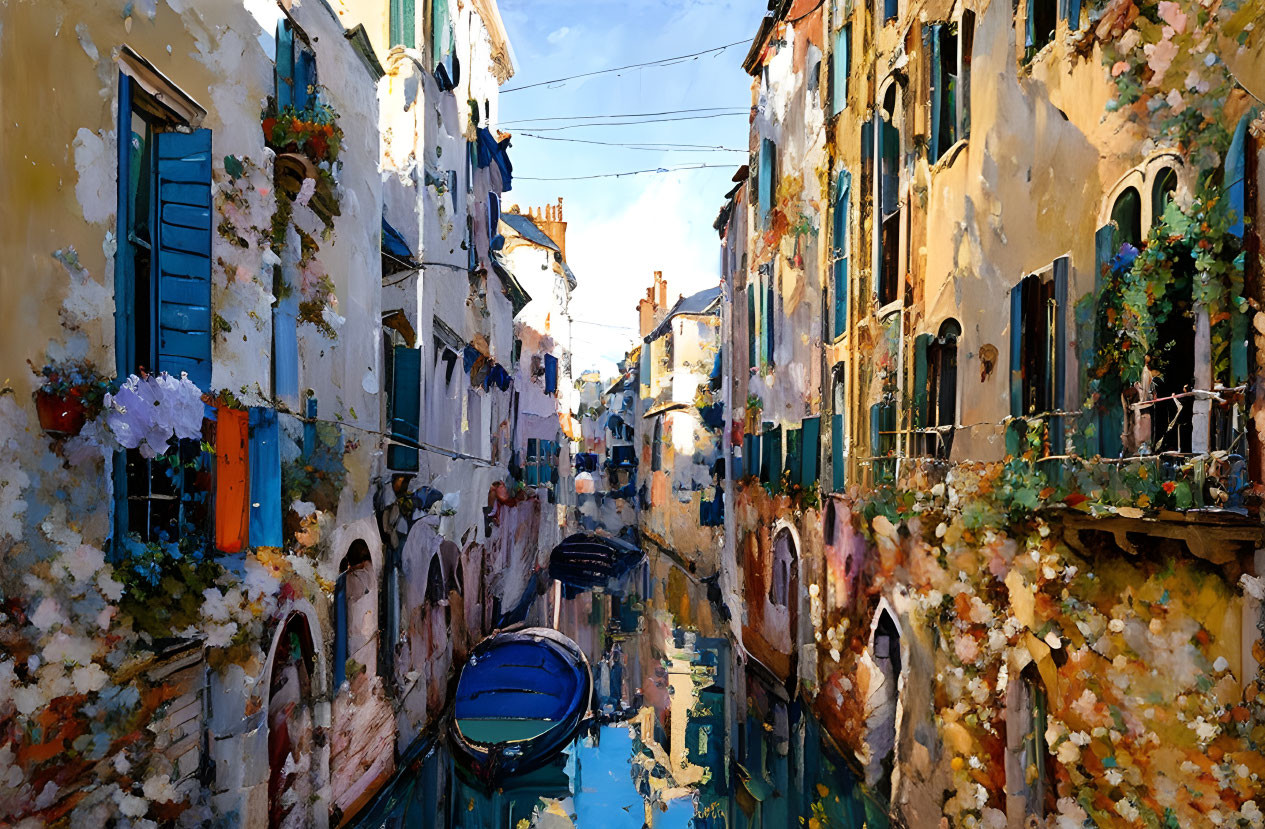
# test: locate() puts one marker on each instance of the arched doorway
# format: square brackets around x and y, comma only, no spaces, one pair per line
[881,722]
[291,747]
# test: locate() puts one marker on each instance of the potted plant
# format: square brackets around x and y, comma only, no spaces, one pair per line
[71,392]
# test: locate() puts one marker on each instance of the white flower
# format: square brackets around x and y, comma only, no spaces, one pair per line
[47,614]
[159,788]
[1220,665]
[88,678]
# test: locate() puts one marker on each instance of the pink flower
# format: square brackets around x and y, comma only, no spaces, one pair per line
[1160,56]
[966,648]
[1119,69]
[1172,14]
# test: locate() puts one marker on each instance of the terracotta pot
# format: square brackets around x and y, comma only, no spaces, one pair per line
[60,415]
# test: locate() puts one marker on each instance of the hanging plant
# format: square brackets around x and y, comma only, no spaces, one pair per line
[70,394]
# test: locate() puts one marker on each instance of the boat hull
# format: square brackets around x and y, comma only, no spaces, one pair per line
[521,699]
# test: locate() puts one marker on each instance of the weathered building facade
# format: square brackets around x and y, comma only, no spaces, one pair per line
[265,485]
[997,267]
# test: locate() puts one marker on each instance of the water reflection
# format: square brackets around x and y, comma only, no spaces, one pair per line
[686,733]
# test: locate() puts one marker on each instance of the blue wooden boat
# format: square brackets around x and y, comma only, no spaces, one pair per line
[521,698]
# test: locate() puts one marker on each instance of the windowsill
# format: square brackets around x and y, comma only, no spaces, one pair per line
[887,310]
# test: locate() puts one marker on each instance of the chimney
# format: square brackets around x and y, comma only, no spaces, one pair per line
[662,285]
[549,219]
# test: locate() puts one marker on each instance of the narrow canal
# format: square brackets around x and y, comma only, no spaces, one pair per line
[685,733]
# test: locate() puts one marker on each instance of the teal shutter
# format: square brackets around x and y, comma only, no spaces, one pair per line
[1016,350]
[810,430]
[921,411]
[284,73]
[265,478]
[1234,175]
[769,329]
[843,187]
[1059,367]
[876,441]
[773,454]
[795,454]
[532,470]
[842,64]
[340,631]
[931,41]
[406,399]
[440,31]
[765,184]
[183,250]
[838,476]
[403,23]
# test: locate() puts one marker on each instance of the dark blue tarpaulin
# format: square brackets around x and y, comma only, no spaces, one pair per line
[396,249]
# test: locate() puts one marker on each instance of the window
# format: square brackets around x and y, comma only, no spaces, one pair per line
[949,64]
[1126,213]
[890,8]
[935,389]
[883,441]
[442,36]
[355,605]
[888,132]
[435,592]
[783,560]
[842,226]
[1038,343]
[1042,17]
[295,76]
[403,23]
[839,402]
[538,470]
[656,445]
[841,68]
[1163,186]
[766,183]
[163,300]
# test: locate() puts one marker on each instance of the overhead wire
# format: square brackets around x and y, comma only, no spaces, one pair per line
[659,62]
[623,115]
[627,173]
[650,146]
[635,123]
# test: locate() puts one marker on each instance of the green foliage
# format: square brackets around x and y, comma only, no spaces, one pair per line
[163,582]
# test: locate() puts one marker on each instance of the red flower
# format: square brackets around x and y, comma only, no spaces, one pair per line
[1169,486]
[269,124]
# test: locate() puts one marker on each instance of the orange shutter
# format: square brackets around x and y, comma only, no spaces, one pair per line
[232,475]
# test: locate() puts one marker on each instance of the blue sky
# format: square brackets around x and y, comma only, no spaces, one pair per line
[621,230]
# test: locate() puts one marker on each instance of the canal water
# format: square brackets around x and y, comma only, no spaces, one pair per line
[686,734]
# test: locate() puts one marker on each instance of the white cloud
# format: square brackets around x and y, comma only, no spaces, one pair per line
[558,34]
[666,228]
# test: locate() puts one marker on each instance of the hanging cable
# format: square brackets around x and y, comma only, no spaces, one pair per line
[625,115]
[660,62]
[628,173]
[650,146]
[743,113]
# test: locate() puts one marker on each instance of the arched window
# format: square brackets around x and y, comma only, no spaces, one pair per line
[355,609]
[1026,722]
[783,561]
[888,137]
[1127,215]
[885,651]
[289,717]
[839,406]
[828,523]
[1162,188]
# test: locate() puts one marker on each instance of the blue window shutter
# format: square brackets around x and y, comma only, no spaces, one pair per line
[406,401]
[751,346]
[265,478]
[285,65]
[773,449]
[495,240]
[1072,13]
[340,631]
[285,349]
[769,330]
[766,187]
[1016,350]
[843,187]
[838,472]
[183,250]
[304,77]
[1060,353]
[810,430]
[876,438]
[551,374]
[1234,175]
[842,65]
